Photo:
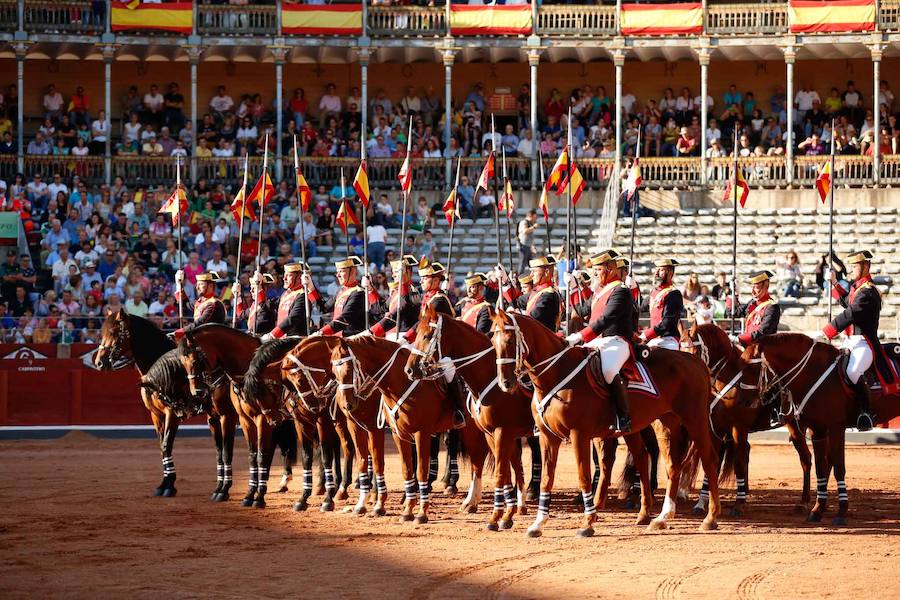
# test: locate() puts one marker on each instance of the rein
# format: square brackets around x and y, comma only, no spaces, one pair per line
[321,393]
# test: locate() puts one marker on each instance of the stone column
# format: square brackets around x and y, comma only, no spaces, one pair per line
[109,55]
[877,51]
[280,53]
[534,59]
[364,55]
[194,53]
[790,56]
[21,49]
[448,55]
[703,54]
[619,62]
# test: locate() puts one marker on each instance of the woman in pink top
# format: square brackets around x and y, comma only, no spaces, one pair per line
[193,268]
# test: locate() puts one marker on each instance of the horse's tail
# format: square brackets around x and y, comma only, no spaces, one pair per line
[726,474]
[266,354]
[690,468]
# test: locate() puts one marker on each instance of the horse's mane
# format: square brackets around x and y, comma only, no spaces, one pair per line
[789,338]
[167,376]
[424,323]
[269,352]
[500,315]
[149,341]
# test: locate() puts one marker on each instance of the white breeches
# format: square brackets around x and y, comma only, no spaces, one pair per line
[860,356]
[668,342]
[614,351]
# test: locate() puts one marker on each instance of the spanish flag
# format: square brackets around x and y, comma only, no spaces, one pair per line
[451,207]
[257,195]
[487,174]
[833,16]
[742,186]
[361,183]
[171,16]
[543,204]
[405,175]
[824,182]
[507,200]
[490,20]
[576,183]
[298,19]
[634,179]
[559,173]
[684,18]
[346,216]
[176,205]
[303,191]
[240,208]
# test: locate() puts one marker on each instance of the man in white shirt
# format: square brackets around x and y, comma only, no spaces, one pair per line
[221,103]
[698,103]
[217,264]
[53,102]
[56,186]
[803,100]
[713,133]
[526,145]
[223,150]
[60,268]
[159,304]
[153,104]
[377,242]
[628,101]
[411,102]
[305,231]
[330,103]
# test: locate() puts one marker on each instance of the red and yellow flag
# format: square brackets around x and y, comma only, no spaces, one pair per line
[507,200]
[490,20]
[258,195]
[543,204]
[577,184]
[813,16]
[298,19]
[824,181]
[559,173]
[171,16]
[361,184]
[346,216]
[487,174]
[240,208]
[743,188]
[175,205]
[405,175]
[634,180]
[685,18]
[451,207]
[303,192]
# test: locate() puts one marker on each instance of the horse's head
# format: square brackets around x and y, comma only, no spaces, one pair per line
[114,350]
[709,342]
[506,338]
[755,374]
[344,369]
[307,376]
[429,343]
[195,365]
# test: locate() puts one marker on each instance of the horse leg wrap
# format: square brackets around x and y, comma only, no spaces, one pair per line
[370,470]
[409,489]
[433,468]
[741,489]
[423,491]
[254,478]
[380,484]
[596,480]
[704,491]
[364,483]
[636,484]
[535,470]
[307,481]
[168,464]
[821,488]
[263,479]
[329,481]
[498,499]
[842,491]
[227,474]
[589,507]
[454,470]
[220,475]
[509,496]
[544,504]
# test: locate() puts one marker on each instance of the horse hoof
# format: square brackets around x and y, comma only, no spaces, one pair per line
[698,511]
[839,521]
[643,520]
[359,512]
[492,527]
[421,519]
[534,533]
[326,507]
[247,502]
[735,512]
[532,493]
[586,532]
[214,496]
[301,506]
[657,526]
[708,526]
[406,518]
[221,497]
[259,504]
[342,494]
[471,509]
[506,524]
[158,491]
[450,490]
[814,517]
[169,492]
[379,512]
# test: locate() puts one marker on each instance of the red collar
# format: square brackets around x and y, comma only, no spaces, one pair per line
[761,299]
[477,300]
[860,282]
[540,287]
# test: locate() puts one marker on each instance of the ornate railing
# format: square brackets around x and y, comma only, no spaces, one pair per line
[848,170]
[889,16]
[576,20]
[890,169]
[747,19]
[88,168]
[66,16]
[9,19]
[240,20]
[759,171]
[407,21]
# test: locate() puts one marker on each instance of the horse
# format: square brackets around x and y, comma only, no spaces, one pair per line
[213,351]
[414,410]
[567,407]
[818,399]
[729,417]
[310,421]
[130,339]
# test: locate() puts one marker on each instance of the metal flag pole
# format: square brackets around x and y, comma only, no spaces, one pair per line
[302,235]
[237,269]
[496,194]
[455,193]
[506,201]
[734,232]
[831,222]
[346,212]
[365,220]
[544,196]
[635,198]
[177,222]
[570,255]
[262,204]
[405,193]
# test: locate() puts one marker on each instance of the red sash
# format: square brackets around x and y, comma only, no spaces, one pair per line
[657,304]
[286,302]
[471,312]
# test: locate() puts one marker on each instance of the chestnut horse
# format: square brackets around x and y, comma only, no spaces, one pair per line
[130,339]
[819,400]
[570,406]
[414,410]
[737,419]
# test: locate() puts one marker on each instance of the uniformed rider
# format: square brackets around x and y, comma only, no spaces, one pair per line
[348,306]
[393,323]
[859,320]
[207,308]
[542,303]
[262,313]
[474,309]
[762,314]
[665,305]
[610,329]
[299,296]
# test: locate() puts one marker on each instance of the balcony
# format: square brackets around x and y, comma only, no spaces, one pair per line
[70,16]
[889,17]
[9,20]
[746,19]
[407,21]
[239,20]
[576,20]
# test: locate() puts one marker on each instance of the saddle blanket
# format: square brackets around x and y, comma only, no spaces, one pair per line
[635,373]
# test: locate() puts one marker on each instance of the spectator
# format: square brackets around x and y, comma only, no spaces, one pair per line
[38,146]
[99,133]
[790,275]
[78,108]
[221,104]
[329,104]
[173,106]
[525,235]
[686,144]
[153,106]
[53,103]
[377,242]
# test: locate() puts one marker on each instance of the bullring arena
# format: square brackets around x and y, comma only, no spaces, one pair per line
[526,300]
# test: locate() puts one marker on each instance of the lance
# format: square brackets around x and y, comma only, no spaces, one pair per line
[262,203]
[365,220]
[496,194]
[302,236]
[569,211]
[241,238]
[831,222]
[346,212]
[734,232]
[635,198]
[506,202]
[405,193]
[453,213]
[544,196]
[177,221]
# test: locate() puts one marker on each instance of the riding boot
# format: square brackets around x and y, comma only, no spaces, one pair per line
[864,422]
[618,394]
[457,395]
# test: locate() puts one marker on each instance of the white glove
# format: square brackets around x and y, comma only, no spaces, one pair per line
[316,334]
[501,274]
[445,285]
[236,290]
[362,334]
[734,339]
[643,338]
[306,280]
[266,338]
[366,283]
[630,282]
[570,279]
[179,280]
[393,336]
[256,280]
[573,339]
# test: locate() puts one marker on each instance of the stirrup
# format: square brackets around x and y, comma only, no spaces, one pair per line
[623,423]
[459,419]
[864,422]
[776,417]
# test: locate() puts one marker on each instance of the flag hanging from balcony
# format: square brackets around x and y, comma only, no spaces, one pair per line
[662,19]
[813,16]
[257,194]
[335,19]
[507,200]
[451,207]
[345,216]
[240,208]
[175,205]
[634,180]
[303,191]
[490,20]
[487,174]
[743,188]
[173,16]
[361,184]
[824,182]
[559,173]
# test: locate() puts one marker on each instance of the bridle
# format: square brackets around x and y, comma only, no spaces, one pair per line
[704,354]
[522,350]
[114,355]
[432,361]
[321,393]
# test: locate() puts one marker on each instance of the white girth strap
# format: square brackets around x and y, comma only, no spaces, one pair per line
[815,386]
[559,386]
[724,391]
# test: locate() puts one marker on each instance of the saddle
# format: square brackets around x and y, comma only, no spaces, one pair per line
[629,371]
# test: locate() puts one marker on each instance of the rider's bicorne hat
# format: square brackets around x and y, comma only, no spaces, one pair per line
[666,262]
[408,260]
[861,256]
[604,257]
[582,277]
[296,267]
[526,278]
[349,262]
[623,263]
[269,278]
[761,276]
[475,279]
[210,276]
[542,261]
[432,269]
